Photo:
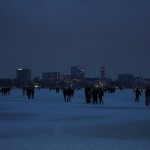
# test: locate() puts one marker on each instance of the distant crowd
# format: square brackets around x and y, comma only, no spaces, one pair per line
[5,90]
[138,93]
[29,91]
[93,95]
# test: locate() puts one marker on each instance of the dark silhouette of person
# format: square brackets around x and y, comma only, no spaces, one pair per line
[100,95]
[72,92]
[147,96]
[137,94]
[69,94]
[65,94]
[5,91]
[23,90]
[95,95]
[57,89]
[88,94]
[30,92]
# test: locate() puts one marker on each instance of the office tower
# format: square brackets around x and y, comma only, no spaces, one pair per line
[51,76]
[23,74]
[78,72]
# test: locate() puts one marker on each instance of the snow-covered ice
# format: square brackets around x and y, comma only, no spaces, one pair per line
[49,123]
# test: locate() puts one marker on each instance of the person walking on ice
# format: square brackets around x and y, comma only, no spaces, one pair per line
[137,95]
[147,96]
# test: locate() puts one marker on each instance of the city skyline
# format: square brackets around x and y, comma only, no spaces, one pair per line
[55,34]
[12,75]
[102,73]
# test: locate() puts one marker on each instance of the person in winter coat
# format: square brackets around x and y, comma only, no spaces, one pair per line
[147,96]
[95,95]
[100,95]
[137,94]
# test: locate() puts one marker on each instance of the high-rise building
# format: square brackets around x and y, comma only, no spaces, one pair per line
[78,72]
[23,74]
[51,76]
[102,72]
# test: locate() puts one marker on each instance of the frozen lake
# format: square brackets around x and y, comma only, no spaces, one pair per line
[49,123]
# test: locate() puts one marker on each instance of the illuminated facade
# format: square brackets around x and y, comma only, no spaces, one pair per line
[78,72]
[51,76]
[23,74]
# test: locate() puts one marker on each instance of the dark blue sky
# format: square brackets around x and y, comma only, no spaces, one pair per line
[52,35]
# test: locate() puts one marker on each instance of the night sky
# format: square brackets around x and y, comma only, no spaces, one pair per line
[53,35]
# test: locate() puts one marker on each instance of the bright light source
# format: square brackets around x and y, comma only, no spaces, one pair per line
[36,86]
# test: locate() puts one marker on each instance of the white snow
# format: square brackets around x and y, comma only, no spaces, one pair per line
[49,123]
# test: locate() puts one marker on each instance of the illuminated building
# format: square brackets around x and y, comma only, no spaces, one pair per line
[51,76]
[67,77]
[23,74]
[78,72]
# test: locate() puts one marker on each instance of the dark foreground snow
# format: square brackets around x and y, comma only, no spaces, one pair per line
[49,123]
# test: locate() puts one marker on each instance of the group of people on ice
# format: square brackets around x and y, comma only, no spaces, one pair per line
[94,95]
[29,91]
[5,90]
[68,93]
[138,93]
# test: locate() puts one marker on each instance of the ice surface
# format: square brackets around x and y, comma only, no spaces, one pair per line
[49,123]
